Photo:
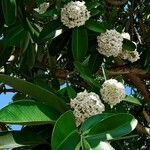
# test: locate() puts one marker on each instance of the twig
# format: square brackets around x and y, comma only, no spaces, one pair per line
[117,2]
[8,90]
[143,130]
[147,117]
[139,85]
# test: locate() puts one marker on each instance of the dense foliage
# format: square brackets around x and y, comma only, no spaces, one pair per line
[69,65]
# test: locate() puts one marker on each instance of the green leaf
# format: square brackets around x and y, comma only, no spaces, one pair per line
[82,69]
[28,58]
[85,145]
[24,42]
[14,139]
[95,62]
[112,127]
[50,30]
[93,120]
[71,143]
[79,43]
[128,45]
[65,135]
[40,94]
[9,11]
[86,74]
[71,92]
[27,112]
[5,53]
[132,100]
[94,12]
[90,5]
[95,26]
[13,36]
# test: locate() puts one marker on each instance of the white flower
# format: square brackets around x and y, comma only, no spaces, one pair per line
[104,145]
[131,56]
[43,7]
[126,35]
[86,105]
[74,14]
[110,43]
[112,92]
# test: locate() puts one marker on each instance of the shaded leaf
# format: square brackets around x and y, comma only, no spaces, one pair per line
[50,30]
[79,43]
[95,26]
[95,62]
[14,139]
[90,5]
[71,92]
[86,74]
[9,11]
[4,55]
[13,36]
[128,45]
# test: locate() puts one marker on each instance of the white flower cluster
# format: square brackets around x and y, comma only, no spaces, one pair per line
[86,105]
[110,43]
[43,7]
[104,145]
[74,14]
[131,56]
[112,92]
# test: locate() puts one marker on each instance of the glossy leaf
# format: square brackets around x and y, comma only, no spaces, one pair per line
[28,58]
[128,45]
[50,30]
[4,55]
[85,145]
[14,36]
[94,12]
[27,112]
[40,94]
[95,62]
[65,134]
[79,43]
[132,100]
[90,5]
[121,124]
[86,74]
[95,26]
[71,92]
[14,139]
[92,121]
[9,11]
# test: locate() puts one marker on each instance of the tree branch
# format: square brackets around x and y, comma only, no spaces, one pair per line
[7,90]
[132,78]
[117,2]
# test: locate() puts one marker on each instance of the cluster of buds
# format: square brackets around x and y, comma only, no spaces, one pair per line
[131,56]
[74,14]
[86,105]
[110,43]
[112,92]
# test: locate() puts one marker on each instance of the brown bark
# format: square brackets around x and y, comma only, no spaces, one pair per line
[143,130]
